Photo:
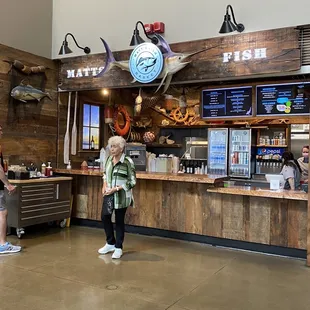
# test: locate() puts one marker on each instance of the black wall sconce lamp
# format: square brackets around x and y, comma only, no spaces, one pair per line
[136,39]
[64,49]
[228,25]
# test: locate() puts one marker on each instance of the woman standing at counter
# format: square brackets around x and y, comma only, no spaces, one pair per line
[119,179]
[304,163]
[290,171]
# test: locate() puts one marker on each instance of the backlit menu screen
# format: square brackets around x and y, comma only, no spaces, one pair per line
[283,99]
[226,102]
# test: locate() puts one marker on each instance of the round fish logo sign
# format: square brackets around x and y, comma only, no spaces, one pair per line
[146,62]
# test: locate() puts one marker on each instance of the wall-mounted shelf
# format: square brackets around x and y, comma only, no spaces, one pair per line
[89,151]
[271,145]
[193,159]
[182,126]
[164,145]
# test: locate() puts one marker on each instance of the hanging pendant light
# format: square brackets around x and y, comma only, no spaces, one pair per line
[229,26]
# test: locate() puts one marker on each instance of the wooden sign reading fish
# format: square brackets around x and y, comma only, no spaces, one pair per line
[25,93]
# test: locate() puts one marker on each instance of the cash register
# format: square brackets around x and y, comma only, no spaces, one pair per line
[137,152]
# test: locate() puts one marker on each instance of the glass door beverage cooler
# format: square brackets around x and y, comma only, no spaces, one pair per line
[240,153]
[217,151]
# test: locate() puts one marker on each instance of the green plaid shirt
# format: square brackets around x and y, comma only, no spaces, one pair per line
[122,174]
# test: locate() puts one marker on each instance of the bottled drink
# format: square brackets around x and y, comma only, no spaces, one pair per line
[202,170]
[92,143]
[187,168]
[195,168]
[43,169]
[49,171]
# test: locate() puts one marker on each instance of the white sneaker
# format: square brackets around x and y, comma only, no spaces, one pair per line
[117,253]
[107,249]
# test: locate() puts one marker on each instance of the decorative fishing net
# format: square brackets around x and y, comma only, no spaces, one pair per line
[19,110]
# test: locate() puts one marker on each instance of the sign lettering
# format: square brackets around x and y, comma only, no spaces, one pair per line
[83,72]
[258,53]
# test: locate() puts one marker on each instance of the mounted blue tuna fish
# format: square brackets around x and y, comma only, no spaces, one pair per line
[26,93]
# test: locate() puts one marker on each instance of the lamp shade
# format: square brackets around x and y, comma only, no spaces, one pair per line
[136,39]
[228,25]
[64,49]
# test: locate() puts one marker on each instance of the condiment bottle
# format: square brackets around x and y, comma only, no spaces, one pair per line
[69,165]
[43,169]
[5,166]
[49,171]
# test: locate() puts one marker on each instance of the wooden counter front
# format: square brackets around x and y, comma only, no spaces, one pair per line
[193,208]
[197,207]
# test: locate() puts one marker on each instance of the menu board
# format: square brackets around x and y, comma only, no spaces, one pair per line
[282,99]
[226,102]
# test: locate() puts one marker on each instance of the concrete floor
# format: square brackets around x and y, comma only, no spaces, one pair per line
[62,270]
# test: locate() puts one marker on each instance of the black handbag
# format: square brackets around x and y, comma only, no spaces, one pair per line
[107,205]
[108,201]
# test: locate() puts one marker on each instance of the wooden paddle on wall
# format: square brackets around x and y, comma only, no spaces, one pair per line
[74,130]
[67,135]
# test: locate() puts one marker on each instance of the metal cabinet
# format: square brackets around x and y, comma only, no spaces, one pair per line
[36,203]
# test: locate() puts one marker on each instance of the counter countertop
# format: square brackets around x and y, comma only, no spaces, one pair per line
[181,177]
[91,172]
[41,180]
[258,192]
[178,177]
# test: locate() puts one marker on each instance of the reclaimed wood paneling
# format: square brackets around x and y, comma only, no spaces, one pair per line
[193,203]
[152,204]
[88,198]
[278,223]
[145,205]
[308,229]
[133,216]
[283,55]
[232,217]
[189,208]
[176,207]
[297,224]
[260,219]
[30,129]
[246,217]
[212,215]
[167,198]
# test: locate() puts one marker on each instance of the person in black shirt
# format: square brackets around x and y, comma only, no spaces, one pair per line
[5,247]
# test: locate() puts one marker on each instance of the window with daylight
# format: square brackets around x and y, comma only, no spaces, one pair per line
[91,125]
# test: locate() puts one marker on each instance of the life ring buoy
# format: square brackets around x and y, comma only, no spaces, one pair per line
[124,130]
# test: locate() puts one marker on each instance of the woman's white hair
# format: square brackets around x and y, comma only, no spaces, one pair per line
[117,140]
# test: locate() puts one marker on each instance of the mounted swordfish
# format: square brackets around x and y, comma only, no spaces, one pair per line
[173,62]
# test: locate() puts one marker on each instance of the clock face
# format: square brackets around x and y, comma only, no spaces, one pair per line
[146,62]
